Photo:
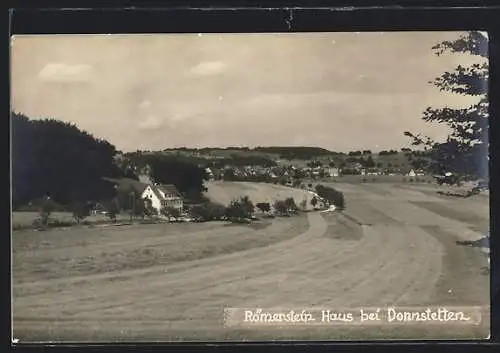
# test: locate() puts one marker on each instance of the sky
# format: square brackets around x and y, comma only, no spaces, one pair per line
[339,91]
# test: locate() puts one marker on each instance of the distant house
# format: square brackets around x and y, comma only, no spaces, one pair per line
[163,196]
[412,173]
[333,172]
[160,196]
[210,174]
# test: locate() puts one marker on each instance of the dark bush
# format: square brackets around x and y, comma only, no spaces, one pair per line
[209,211]
[80,211]
[240,209]
[264,206]
[281,208]
[332,196]
[46,207]
[291,205]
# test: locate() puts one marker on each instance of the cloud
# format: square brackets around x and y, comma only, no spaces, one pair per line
[145,104]
[152,122]
[208,68]
[61,72]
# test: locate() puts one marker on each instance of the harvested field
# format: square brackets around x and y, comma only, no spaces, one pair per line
[225,192]
[172,282]
[390,179]
[62,254]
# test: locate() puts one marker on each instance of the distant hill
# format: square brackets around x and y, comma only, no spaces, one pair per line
[295,152]
[299,156]
[273,152]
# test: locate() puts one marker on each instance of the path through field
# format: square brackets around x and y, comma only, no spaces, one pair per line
[394,246]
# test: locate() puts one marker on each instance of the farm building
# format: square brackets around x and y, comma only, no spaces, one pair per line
[161,196]
[333,172]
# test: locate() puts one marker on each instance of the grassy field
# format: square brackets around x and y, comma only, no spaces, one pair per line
[65,253]
[393,245]
[391,179]
[26,219]
[224,192]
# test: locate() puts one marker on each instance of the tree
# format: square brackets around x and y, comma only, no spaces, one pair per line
[281,208]
[208,211]
[264,206]
[80,211]
[51,157]
[369,163]
[170,212]
[123,198]
[290,205]
[465,151]
[200,212]
[112,209]
[46,207]
[216,211]
[184,173]
[139,207]
[248,206]
[229,175]
[314,164]
[235,211]
[332,196]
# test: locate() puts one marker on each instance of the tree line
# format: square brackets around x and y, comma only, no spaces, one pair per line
[303,153]
[55,159]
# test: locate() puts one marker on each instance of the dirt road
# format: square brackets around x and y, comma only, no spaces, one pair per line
[395,245]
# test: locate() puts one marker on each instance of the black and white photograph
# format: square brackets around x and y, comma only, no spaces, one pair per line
[248,187]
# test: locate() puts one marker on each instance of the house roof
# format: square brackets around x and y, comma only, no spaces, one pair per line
[156,192]
[168,189]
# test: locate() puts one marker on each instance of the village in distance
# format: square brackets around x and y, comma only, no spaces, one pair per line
[142,193]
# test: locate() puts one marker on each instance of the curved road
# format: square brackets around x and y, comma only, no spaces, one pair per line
[393,246]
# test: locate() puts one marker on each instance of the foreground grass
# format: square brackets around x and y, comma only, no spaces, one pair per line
[79,251]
